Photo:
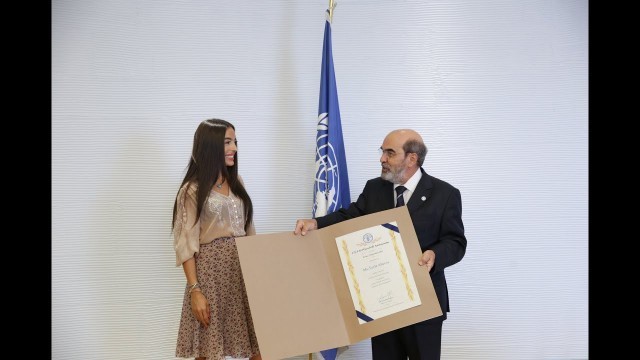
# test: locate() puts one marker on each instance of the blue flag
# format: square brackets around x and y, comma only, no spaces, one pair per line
[331,185]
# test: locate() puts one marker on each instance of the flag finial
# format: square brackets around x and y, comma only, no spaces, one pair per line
[331,6]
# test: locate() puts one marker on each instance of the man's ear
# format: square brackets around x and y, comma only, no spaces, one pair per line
[414,157]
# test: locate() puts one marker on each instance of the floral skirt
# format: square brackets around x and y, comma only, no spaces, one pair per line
[230,331]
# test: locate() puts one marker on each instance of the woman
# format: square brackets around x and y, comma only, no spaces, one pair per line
[211,209]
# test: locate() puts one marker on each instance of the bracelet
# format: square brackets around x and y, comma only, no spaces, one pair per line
[191,287]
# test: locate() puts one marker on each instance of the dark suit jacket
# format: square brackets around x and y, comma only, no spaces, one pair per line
[436,211]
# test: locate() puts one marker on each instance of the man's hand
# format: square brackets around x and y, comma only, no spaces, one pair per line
[428,258]
[304,225]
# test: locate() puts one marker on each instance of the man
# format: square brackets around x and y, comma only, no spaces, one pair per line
[436,211]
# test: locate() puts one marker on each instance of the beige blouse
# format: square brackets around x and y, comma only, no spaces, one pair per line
[221,216]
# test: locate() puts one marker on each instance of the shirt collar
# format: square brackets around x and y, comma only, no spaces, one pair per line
[412,182]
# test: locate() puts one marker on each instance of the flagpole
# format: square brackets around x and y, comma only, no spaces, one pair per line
[330,21]
[328,84]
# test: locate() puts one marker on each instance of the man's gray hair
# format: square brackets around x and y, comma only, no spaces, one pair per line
[417,147]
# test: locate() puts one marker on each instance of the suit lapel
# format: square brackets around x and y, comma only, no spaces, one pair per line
[422,192]
[389,200]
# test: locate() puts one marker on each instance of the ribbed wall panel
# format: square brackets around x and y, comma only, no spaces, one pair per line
[498,89]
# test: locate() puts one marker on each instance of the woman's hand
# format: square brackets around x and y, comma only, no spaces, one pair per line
[200,307]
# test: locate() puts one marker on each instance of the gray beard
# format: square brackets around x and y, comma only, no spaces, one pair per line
[393,177]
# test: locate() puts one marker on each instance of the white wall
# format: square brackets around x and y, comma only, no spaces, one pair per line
[498,89]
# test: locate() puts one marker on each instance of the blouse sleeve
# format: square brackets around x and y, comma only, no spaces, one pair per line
[186,231]
[251,229]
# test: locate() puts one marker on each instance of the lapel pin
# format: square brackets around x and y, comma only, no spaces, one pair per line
[423,198]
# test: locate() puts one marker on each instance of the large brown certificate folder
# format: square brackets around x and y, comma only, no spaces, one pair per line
[298,294]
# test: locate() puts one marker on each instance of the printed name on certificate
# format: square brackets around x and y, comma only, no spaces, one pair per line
[377,270]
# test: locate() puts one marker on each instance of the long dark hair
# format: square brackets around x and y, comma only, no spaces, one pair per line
[207,162]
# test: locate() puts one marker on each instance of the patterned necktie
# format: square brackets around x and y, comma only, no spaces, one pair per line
[399,198]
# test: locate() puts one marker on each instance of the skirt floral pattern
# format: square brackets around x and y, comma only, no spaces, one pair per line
[230,332]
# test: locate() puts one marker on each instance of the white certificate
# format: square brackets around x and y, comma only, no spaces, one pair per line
[377,270]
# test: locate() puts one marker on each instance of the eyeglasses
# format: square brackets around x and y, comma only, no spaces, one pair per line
[389,153]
